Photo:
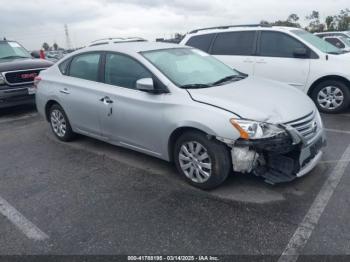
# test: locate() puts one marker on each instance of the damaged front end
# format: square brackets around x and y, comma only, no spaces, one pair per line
[290,151]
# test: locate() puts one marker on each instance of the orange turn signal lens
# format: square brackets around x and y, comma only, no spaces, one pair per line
[244,135]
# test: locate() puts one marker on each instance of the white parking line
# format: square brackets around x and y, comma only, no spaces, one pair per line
[23,224]
[337,131]
[305,229]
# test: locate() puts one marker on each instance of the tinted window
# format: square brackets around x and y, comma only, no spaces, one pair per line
[336,42]
[202,42]
[278,44]
[234,43]
[85,66]
[124,71]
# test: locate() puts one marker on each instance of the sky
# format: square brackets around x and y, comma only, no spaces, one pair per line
[32,22]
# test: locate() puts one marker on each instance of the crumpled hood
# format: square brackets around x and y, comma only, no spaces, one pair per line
[22,64]
[257,99]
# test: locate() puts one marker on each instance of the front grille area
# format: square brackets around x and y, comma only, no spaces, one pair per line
[307,126]
[20,77]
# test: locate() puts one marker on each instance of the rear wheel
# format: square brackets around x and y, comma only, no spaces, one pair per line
[331,96]
[60,124]
[203,162]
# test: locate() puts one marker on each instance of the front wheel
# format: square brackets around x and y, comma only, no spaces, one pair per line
[331,96]
[203,162]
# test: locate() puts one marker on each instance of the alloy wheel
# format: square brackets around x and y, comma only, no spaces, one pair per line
[330,97]
[58,123]
[195,161]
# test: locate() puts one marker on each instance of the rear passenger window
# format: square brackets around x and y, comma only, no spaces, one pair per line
[201,42]
[275,44]
[85,66]
[336,42]
[234,43]
[124,71]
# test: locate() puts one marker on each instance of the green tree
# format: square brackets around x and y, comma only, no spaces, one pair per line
[293,18]
[330,23]
[55,46]
[46,46]
[315,25]
[343,20]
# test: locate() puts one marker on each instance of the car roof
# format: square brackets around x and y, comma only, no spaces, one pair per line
[131,47]
[221,29]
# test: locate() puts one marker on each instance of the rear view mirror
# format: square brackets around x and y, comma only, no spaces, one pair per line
[301,53]
[145,84]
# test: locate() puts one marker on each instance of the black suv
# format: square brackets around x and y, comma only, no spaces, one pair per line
[17,72]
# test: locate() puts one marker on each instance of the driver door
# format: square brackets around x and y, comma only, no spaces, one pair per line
[276,59]
[135,117]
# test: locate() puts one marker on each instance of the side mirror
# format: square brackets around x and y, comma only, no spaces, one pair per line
[301,53]
[35,54]
[145,84]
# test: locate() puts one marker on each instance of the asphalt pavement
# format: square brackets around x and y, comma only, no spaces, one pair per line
[88,197]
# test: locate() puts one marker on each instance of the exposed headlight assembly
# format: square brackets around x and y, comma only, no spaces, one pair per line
[256,130]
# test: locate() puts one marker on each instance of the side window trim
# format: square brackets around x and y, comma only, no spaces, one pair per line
[162,89]
[312,54]
[100,53]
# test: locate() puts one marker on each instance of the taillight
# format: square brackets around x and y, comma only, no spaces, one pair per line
[37,79]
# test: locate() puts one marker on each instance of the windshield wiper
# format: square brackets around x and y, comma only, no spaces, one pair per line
[195,86]
[229,78]
[13,56]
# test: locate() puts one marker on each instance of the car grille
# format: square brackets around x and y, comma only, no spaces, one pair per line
[307,126]
[21,77]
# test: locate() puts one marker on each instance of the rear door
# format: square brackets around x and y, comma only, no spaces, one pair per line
[236,49]
[80,92]
[276,59]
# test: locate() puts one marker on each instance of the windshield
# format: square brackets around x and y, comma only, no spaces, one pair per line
[12,50]
[187,67]
[317,42]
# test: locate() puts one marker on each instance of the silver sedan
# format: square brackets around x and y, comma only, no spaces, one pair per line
[183,105]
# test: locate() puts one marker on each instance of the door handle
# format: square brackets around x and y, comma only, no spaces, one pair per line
[64,91]
[106,100]
[262,61]
[248,61]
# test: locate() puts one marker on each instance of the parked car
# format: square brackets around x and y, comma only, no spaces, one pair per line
[335,33]
[183,105]
[285,54]
[17,72]
[339,41]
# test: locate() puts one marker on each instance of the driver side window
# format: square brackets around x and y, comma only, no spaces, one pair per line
[275,44]
[124,71]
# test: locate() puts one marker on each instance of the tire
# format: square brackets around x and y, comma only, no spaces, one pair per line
[327,96]
[218,160]
[60,124]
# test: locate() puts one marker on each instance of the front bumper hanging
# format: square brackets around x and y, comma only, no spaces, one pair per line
[280,159]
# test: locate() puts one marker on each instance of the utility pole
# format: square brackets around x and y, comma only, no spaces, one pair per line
[68,41]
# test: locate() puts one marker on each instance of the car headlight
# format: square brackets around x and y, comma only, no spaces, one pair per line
[256,130]
[2,80]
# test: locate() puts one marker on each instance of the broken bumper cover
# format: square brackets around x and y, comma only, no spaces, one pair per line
[279,159]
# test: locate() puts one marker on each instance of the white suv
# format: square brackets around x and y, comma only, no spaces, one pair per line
[285,54]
